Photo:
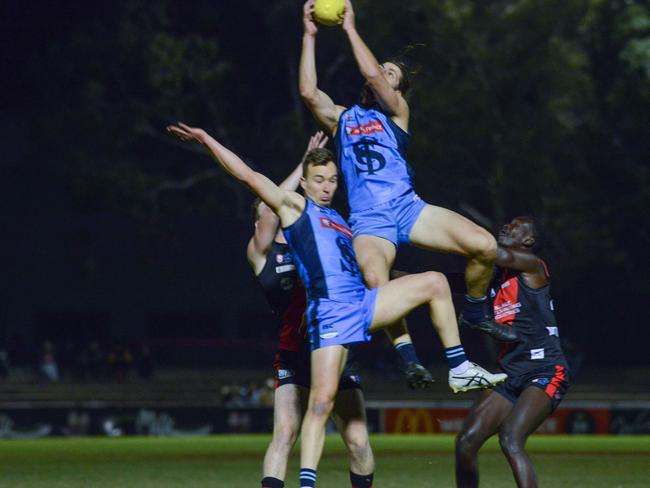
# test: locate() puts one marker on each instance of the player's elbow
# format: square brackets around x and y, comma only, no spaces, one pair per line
[372,76]
[309,94]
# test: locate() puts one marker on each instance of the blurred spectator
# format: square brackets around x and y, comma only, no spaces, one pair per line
[235,395]
[4,364]
[120,363]
[145,362]
[77,423]
[67,361]
[95,361]
[267,395]
[48,365]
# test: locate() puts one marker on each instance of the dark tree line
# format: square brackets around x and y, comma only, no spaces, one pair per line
[519,106]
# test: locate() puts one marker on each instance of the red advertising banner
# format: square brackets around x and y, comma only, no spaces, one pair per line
[450,420]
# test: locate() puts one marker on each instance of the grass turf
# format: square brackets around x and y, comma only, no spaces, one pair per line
[235,461]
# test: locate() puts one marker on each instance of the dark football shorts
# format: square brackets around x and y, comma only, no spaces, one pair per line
[553,380]
[293,368]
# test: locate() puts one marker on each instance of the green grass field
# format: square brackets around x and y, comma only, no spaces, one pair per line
[235,461]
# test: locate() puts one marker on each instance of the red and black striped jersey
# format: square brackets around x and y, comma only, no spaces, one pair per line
[530,312]
[285,294]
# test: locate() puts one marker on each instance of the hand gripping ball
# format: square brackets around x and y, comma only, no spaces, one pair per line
[329,12]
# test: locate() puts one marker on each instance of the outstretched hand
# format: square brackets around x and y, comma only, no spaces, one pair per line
[308,17]
[186,133]
[348,17]
[317,140]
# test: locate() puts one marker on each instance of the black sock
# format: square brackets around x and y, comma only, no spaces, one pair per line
[474,309]
[406,353]
[270,482]
[361,480]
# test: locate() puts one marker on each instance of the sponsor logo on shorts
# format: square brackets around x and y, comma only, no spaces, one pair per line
[537,353]
[553,331]
[329,335]
[542,381]
[355,378]
[285,373]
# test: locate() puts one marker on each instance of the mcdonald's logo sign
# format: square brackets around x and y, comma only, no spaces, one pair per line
[410,421]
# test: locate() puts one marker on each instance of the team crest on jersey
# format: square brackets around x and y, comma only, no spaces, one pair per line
[283,258]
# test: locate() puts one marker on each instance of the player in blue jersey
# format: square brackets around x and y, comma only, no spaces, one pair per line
[340,309]
[371,139]
[269,257]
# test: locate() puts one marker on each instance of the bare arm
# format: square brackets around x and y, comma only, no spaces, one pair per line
[268,222]
[390,100]
[531,267]
[321,106]
[319,139]
[287,204]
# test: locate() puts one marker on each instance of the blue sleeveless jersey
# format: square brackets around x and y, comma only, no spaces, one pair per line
[321,244]
[371,152]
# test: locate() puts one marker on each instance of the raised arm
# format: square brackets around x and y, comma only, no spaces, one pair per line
[390,100]
[531,267]
[268,223]
[286,204]
[324,110]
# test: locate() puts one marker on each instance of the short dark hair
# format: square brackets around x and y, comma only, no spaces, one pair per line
[318,156]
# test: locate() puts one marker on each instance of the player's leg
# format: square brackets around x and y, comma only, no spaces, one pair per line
[289,402]
[376,256]
[441,230]
[399,297]
[483,421]
[350,418]
[327,365]
[528,413]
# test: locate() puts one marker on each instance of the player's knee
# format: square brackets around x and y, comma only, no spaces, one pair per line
[466,444]
[485,246]
[321,404]
[511,443]
[435,284]
[285,437]
[374,278]
[358,444]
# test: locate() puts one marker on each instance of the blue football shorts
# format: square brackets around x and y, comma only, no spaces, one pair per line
[336,322]
[392,220]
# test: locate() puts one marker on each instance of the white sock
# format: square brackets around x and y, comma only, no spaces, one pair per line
[461,368]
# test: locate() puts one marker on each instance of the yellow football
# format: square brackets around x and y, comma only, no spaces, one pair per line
[329,12]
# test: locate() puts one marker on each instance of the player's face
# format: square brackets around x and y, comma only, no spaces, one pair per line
[392,73]
[514,233]
[320,183]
